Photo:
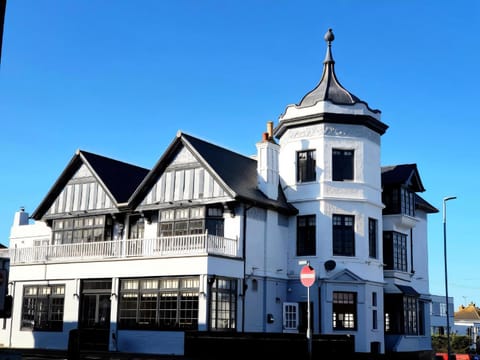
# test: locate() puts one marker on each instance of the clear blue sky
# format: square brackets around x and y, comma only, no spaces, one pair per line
[120,78]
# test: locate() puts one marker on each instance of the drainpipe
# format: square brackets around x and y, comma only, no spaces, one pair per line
[411,251]
[244,254]
[11,317]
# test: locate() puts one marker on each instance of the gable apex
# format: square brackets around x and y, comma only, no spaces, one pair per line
[116,180]
[345,275]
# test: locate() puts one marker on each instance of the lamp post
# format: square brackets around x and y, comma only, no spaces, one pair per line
[446,272]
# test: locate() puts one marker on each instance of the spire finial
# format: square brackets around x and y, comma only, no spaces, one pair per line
[329,37]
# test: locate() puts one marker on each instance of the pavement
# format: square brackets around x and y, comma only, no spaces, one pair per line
[41,354]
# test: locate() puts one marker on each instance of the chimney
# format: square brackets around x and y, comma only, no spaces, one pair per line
[267,164]
[270,130]
[21,217]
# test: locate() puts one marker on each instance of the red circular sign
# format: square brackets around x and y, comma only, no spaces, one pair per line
[307,276]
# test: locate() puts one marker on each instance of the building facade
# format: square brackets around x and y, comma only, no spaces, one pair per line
[210,240]
[467,323]
[438,315]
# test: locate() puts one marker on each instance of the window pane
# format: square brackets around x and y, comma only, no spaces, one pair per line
[344,310]
[306,235]
[42,308]
[306,166]
[343,235]
[342,165]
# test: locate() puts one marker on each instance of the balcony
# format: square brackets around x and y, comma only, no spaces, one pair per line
[171,246]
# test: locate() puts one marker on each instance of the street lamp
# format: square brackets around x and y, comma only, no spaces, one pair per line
[446,272]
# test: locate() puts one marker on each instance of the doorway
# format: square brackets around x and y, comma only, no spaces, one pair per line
[94,317]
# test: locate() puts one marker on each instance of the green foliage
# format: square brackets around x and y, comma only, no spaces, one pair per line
[459,344]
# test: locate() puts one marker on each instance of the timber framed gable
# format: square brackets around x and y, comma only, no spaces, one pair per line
[81,194]
[185,179]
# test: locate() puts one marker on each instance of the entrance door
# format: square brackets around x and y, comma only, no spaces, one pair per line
[95,311]
[94,317]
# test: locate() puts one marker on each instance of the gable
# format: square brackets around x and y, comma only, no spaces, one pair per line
[81,193]
[346,275]
[405,174]
[184,179]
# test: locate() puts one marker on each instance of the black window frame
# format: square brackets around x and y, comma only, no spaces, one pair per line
[223,304]
[343,235]
[306,166]
[403,315]
[373,238]
[191,220]
[395,251]
[173,304]
[43,307]
[306,235]
[344,310]
[399,200]
[82,229]
[343,161]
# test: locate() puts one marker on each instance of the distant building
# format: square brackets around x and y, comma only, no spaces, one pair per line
[211,240]
[467,321]
[438,315]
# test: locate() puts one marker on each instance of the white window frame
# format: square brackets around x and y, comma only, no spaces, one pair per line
[290,317]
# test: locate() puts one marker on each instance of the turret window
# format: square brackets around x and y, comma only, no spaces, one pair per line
[342,165]
[306,166]
[306,229]
[372,237]
[343,235]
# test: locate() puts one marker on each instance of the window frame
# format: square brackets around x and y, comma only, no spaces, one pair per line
[176,304]
[43,308]
[191,220]
[373,238]
[93,228]
[399,200]
[344,310]
[306,235]
[291,317]
[306,166]
[343,235]
[223,304]
[395,252]
[343,164]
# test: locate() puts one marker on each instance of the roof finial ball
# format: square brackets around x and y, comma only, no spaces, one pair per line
[329,37]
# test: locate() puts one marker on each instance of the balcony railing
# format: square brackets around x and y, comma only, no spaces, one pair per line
[185,245]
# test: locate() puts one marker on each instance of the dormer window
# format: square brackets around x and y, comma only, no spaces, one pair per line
[306,166]
[342,165]
[399,200]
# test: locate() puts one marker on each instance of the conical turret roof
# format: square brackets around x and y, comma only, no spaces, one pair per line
[329,88]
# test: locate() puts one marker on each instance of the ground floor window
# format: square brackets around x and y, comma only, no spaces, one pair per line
[402,314]
[159,303]
[42,307]
[344,310]
[290,317]
[223,304]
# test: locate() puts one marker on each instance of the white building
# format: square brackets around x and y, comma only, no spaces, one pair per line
[467,323]
[210,240]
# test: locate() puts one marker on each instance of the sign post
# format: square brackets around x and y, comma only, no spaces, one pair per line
[307,277]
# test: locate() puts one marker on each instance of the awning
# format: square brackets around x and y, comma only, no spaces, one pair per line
[401,289]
